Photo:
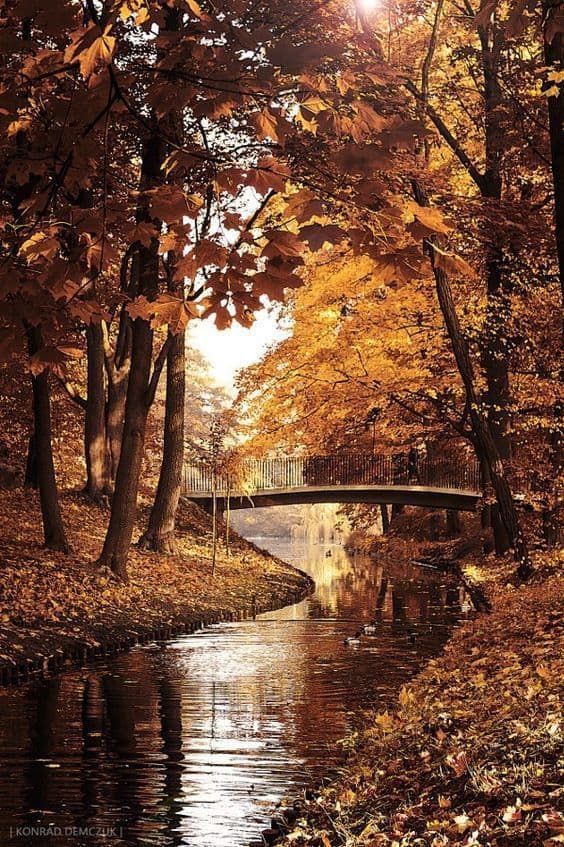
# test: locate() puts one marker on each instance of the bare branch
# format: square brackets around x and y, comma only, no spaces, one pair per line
[72,392]
[157,370]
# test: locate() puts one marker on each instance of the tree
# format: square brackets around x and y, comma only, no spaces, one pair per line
[53,528]
[159,535]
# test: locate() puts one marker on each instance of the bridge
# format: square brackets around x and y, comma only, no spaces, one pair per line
[342,478]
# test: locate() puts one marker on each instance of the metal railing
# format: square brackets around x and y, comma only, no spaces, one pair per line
[288,472]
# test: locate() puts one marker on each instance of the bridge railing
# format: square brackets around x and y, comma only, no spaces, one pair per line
[286,472]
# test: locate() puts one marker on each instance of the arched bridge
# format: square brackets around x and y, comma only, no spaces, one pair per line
[342,478]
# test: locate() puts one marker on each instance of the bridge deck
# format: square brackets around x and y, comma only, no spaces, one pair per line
[452,483]
[409,495]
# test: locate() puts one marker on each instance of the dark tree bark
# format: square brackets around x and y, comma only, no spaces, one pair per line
[141,386]
[115,415]
[485,445]
[95,436]
[170,699]
[453,524]
[160,530]
[30,477]
[434,526]
[495,358]
[117,364]
[385,519]
[554,59]
[53,528]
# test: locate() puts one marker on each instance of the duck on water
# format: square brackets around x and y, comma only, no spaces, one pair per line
[371,629]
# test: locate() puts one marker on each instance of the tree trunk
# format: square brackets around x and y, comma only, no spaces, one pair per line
[486,448]
[115,414]
[53,528]
[554,59]
[170,700]
[160,530]
[385,519]
[145,269]
[495,352]
[117,371]
[95,440]
[30,477]
[453,524]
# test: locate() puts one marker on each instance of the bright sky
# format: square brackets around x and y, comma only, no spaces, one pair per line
[230,349]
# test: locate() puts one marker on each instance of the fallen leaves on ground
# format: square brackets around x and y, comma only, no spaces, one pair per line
[49,601]
[472,754]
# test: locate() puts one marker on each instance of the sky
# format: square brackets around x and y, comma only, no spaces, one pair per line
[230,349]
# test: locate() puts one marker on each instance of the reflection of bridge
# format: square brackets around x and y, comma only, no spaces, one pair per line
[343,478]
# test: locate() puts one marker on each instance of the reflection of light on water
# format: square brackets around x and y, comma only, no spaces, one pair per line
[202,736]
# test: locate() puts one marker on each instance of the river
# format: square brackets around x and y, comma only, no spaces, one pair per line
[194,741]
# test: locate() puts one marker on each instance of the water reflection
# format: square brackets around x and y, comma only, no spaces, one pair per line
[193,742]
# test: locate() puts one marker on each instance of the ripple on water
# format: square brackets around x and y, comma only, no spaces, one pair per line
[194,741]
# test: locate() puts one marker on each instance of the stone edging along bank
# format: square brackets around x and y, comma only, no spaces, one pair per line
[119,639]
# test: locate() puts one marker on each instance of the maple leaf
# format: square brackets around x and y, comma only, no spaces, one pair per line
[169,203]
[431,218]
[453,265]
[194,8]
[143,232]
[270,124]
[293,58]
[140,308]
[317,235]
[274,285]
[400,267]
[40,245]
[385,721]
[367,122]
[88,311]
[136,9]
[269,175]
[222,316]
[90,48]
[53,359]
[172,311]
[22,124]
[282,243]
[304,205]
[458,762]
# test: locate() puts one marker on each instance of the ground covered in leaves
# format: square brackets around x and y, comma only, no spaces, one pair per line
[472,752]
[52,605]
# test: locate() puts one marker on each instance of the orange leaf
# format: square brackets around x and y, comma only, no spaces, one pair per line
[91,49]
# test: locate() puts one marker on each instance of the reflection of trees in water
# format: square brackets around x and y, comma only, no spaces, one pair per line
[41,776]
[134,733]
[359,589]
[93,734]
[170,697]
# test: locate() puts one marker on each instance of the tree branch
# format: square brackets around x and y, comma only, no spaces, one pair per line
[157,370]
[445,133]
[72,393]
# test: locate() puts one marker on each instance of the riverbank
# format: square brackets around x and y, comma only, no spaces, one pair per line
[470,754]
[56,609]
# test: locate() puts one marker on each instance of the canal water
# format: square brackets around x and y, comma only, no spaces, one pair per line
[194,741]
